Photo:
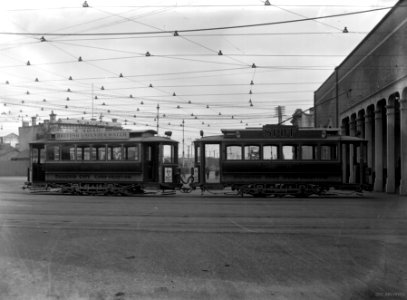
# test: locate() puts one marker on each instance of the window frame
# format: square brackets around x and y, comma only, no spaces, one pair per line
[245,147]
[314,152]
[295,153]
[334,155]
[271,158]
[233,159]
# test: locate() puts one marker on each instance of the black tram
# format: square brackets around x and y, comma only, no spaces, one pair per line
[106,162]
[280,160]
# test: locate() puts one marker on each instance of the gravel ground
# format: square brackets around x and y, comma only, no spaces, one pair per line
[192,247]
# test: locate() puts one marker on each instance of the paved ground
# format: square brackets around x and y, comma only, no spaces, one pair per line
[192,247]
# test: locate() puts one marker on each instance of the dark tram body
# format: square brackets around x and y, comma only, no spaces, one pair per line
[280,160]
[106,162]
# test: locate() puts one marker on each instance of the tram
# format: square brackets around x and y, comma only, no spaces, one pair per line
[105,162]
[280,160]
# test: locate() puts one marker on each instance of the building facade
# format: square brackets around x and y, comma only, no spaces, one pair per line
[366,96]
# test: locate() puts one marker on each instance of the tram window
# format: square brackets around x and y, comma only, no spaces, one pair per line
[308,152]
[270,152]
[101,152]
[66,152]
[132,152]
[42,155]
[79,153]
[233,152]
[72,153]
[251,152]
[86,153]
[93,153]
[212,163]
[198,154]
[114,153]
[168,154]
[328,152]
[289,152]
[53,153]
[34,155]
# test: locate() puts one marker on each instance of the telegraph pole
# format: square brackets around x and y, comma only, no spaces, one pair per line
[158,118]
[183,143]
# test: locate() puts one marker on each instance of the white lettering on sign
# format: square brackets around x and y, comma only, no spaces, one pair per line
[91,135]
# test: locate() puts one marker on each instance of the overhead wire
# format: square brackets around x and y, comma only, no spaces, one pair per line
[197,29]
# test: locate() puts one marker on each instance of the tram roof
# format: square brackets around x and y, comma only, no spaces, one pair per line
[112,136]
[274,132]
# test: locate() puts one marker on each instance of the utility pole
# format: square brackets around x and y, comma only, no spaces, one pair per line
[280,112]
[158,118]
[92,102]
[183,142]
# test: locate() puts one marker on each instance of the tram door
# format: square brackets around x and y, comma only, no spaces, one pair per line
[150,162]
[37,163]
[212,163]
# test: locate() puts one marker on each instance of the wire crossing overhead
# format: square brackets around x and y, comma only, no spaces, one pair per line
[178,31]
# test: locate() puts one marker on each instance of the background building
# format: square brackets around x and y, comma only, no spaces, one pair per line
[366,96]
[301,118]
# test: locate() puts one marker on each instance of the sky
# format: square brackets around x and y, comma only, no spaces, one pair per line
[196,64]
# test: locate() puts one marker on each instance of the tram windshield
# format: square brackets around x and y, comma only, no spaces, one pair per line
[212,168]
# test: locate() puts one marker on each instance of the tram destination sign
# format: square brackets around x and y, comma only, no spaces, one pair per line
[104,135]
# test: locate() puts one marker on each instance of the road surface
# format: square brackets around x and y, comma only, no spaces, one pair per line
[189,246]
